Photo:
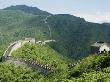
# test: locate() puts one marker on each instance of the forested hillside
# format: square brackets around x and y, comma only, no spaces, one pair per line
[11,73]
[26,9]
[45,56]
[17,24]
[94,68]
[15,70]
[73,35]
[63,60]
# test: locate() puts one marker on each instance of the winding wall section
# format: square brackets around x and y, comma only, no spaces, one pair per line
[30,63]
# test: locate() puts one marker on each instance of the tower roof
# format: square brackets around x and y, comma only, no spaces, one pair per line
[99,44]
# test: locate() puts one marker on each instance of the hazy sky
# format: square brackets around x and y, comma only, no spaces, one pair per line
[91,10]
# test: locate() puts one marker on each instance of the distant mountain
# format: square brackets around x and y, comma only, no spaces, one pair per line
[26,9]
[108,24]
[73,34]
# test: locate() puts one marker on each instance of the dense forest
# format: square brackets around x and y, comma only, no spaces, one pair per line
[73,36]
[94,68]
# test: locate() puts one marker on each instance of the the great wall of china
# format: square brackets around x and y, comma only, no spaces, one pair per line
[30,63]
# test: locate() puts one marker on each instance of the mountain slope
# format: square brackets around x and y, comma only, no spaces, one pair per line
[94,68]
[17,24]
[9,72]
[73,35]
[26,9]
[45,56]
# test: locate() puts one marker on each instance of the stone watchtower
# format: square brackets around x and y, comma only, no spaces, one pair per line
[99,47]
[32,40]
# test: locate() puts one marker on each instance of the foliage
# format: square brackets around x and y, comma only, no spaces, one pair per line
[95,68]
[73,34]
[11,73]
[44,55]
[15,25]
[73,37]
[26,9]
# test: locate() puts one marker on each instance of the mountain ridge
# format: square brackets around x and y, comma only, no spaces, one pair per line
[27,9]
[73,34]
[73,37]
